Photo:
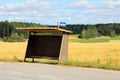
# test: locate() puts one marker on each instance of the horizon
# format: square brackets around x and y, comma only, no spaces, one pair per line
[56,24]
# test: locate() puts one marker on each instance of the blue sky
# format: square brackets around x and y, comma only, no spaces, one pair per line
[52,11]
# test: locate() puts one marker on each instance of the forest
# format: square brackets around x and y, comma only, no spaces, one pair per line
[8,29]
[109,29]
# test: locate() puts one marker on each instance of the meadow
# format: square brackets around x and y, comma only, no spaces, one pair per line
[104,55]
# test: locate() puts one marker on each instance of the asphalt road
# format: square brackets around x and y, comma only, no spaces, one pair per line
[33,71]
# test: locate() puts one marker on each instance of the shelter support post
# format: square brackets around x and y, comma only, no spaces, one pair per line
[63,56]
[25,59]
[33,60]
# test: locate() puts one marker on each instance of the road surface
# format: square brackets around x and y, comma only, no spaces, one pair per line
[33,71]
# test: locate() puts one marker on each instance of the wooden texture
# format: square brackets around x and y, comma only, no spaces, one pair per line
[45,30]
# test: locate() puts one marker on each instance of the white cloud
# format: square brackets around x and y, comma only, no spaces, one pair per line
[82,4]
[83,11]
[107,6]
[111,4]
[26,11]
[1,8]
[27,6]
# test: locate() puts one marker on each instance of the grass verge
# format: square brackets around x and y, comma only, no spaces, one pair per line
[89,64]
[14,59]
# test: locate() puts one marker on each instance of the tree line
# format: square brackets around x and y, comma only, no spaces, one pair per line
[110,29]
[103,29]
[8,29]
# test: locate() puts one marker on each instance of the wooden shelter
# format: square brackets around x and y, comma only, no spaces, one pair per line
[47,43]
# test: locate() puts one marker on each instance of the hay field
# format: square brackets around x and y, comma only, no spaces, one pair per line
[107,53]
[102,53]
[8,51]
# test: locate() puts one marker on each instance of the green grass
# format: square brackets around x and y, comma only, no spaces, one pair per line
[90,40]
[95,40]
[116,38]
[89,64]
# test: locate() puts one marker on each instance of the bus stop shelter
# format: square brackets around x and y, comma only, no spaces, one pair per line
[51,43]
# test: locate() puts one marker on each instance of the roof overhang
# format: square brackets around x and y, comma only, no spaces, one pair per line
[45,30]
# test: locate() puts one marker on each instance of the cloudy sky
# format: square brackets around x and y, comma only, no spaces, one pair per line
[52,11]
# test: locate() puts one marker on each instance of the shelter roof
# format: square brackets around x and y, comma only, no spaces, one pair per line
[45,30]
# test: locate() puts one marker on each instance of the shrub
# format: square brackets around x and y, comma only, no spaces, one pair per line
[14,38]
[112,33]
[89,33]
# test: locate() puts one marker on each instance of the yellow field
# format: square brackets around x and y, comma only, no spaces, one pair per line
[100,52]
[9,51]
[103,53]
